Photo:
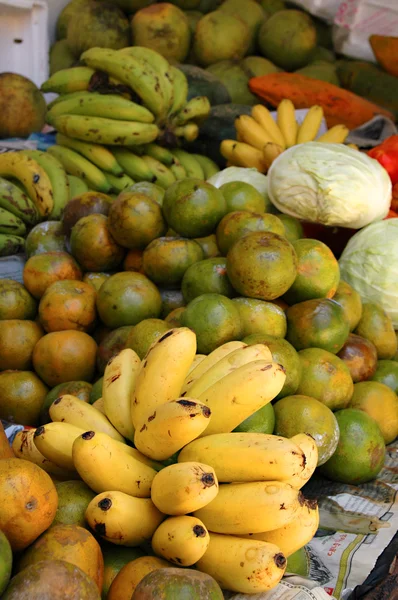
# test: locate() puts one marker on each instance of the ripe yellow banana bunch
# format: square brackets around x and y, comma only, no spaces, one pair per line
[260,139]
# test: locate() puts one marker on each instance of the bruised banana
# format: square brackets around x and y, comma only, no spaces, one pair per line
[162,372]
[297,533]
[181,540]
[11,224]
[255,507]
[117,390]
[241,565]
[208,362]
[170,427]
[307,444]
[228,364]
[241,393]
[55,441]
[18,203]
[180,90]
[24,447]
[58,178]
[100,156]
[196,109]
[180,489]
[70,409]
[309,128]
[264,118]
[110,106]
[122,519]
[75,79]
[161,175]
[11,244]
[286,120]
[247,456]
[32,176]
[134,166]
[103,465]
[77,165]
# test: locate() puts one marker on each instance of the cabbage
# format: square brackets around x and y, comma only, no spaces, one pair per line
[330,184]
[369,263]
[252,176]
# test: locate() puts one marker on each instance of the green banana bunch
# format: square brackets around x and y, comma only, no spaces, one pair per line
[100,156]
[118,184]
[13,199]
[75,79]
[76,186]
[9,223]
[11,244]
[134,166]
[77,165]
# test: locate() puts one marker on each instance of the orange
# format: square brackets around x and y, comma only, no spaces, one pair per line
[41,270]
[68,304]
[17,340]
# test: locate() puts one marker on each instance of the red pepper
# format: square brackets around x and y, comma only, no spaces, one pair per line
[387,155]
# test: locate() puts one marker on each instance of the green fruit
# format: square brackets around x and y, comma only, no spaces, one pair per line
[171,299]
[15,301]
[288,38]
[250,12]
[299,563]
[318,272]
[220,36]
[80,389]
[115,557]
[61,57]
[375,325]
[318,323]
[193,208]
[127,298]
[350,301]
[262,421]
[379,402]
[303,414]
[145,333]
[360,356]
[96,279]
[209,246]
[96,390]
[207,276]
[272,6]
[235,77]
[360,453]
[240,195]
[325,377]
[236,225]
[293,228]
[112,344]
[259,317]
[93,246]
[387,373]
[178,584]
[174,318]
[73,499]
[5,562]
[284,354]
[215,320]
[262,265]
[257,66]
[149,189]
[65,15]
[166,259]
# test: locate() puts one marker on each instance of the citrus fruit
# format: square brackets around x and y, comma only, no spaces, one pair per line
[350,301]
[17,340]
[96,279]
[115,557]
[174,318]
[209,246]
[47,236]
[133,261]
[379,402]
[93,245]
[73,499]
[15,301]
[293,228]
[258,316]
[144,334]
[207,276]
[262,421]
[375,325]
[80,389]
[68,304]
[171,299]
[240,195]
[236,225]
[360,356]
[41,270]
[146,187]
[166,259]
[129,576]
[386,372]
[359,456]
[5,562]
[22,395]
[84,205]
[215,320]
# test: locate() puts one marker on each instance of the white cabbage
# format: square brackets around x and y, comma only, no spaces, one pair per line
[252,176]
[369,263]
[330,184]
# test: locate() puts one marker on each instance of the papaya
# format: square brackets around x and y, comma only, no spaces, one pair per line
[177,584]
[385,49]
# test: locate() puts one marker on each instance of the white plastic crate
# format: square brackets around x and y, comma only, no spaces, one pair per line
[24,44]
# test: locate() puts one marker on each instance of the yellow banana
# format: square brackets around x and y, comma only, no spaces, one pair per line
[180,90]
[123,519]
[198,358]
[309,128]
[117,390]
[99,405]
[264,118]
[307,444]
[271,151]
[196,109]
[100,156]
[208,362]
[77,165]
[157,466]
[170,427]
[24,447]
[140,77]
[55,441]
[240,565]
[180,489]
[162,372]
[105,131]
[33,178]
[75,79]
[243,155]
[244,508]
[247,456]
[134,166]
[251,132]
[70,409]
[103,465]
[335,135]
[208,165]
[189,132]
[241,393]
[119,184]
[227,365]
[161,175]
[109,106]
[286,120]
[189,162]
[297,533]
[182,540]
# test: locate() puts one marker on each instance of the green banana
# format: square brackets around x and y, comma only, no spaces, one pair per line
[75,79]
[196,109]
[189,162]
[159,64]
[9,223]
[208,165]
[105,131]
[164,177]
[13,199]
[119,183]
[63,97]
[98,105]
[77,165]
[180,87]
[142,79]
[76,186]
[189,131]
[134,166]
[11,244]
[178,170]
[100,156]
[161,154]
[58,178]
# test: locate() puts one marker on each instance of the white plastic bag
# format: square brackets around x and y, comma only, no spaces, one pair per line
[356,20]
[323,9]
